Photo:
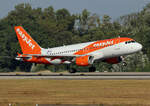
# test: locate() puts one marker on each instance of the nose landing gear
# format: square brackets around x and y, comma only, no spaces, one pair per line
[124,63]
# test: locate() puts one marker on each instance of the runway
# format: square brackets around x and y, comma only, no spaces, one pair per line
[78,76]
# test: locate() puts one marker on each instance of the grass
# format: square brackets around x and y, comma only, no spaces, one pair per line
[111,92]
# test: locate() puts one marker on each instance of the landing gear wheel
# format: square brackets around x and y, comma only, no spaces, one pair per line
[72,70]
[92,69]
[124,64]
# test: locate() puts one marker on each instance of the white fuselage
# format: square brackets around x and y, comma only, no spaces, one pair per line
[115,50]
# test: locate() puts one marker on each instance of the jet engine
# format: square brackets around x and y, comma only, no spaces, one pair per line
[84,60]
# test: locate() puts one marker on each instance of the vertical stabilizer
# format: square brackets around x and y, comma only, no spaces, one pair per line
[28,45]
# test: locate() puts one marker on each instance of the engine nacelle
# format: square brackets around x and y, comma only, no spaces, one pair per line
[84,60]
[113,60]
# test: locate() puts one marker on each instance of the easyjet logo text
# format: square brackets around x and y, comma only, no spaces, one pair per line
[104,43]
[25,39]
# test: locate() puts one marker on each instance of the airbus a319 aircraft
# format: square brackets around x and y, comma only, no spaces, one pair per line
[82,54]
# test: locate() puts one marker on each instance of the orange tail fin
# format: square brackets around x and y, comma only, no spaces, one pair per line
[28,45]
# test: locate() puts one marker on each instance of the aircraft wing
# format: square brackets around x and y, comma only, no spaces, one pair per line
[39,55]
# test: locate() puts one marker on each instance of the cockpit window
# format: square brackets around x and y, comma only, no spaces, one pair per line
[132,41]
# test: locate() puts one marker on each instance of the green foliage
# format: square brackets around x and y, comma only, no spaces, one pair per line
[146,69]
[52,28]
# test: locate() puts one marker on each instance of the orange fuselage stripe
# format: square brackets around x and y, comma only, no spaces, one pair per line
[100,45]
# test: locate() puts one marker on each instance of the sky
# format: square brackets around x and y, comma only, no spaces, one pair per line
[113,8]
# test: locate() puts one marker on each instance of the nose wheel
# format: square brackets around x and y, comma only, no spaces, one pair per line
[124,63]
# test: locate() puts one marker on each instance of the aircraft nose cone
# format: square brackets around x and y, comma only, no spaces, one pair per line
[139,47]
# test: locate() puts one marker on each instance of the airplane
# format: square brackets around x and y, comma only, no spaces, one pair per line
[82,54]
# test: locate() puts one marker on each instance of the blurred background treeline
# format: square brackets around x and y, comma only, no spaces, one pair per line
[51,28]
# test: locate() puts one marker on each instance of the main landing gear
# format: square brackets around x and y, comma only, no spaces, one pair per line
[73,70]
[92,69]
